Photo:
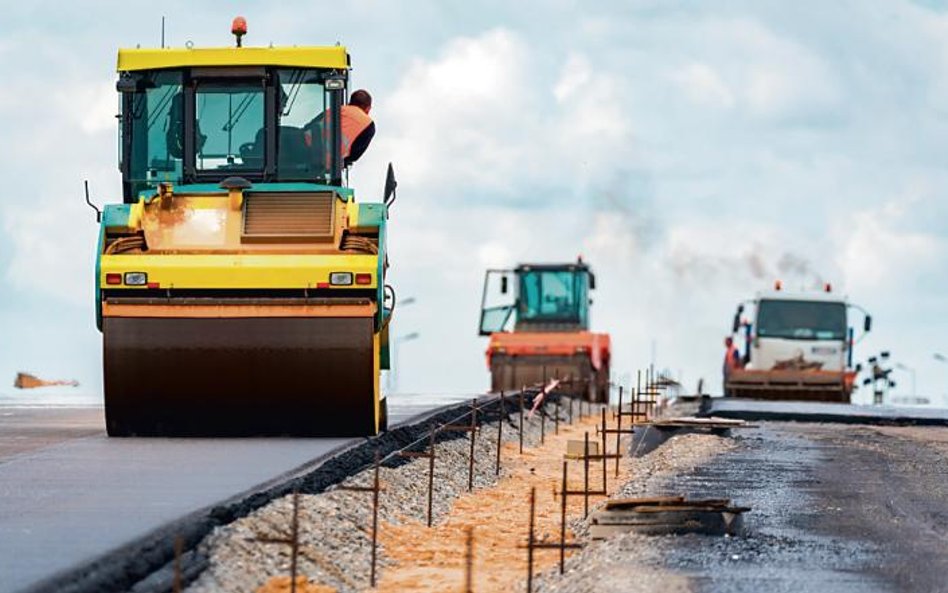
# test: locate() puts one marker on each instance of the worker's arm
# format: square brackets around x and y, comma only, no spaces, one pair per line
[361,142]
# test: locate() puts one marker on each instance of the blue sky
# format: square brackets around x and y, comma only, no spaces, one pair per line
[691,151]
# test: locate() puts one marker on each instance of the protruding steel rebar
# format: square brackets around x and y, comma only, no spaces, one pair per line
[556,418]
[376,486]
[618,429]
[431,463]
[470,459]
[533,500]
[500,432]
[586,474]
[293,540]
[469,561]
[543,419]
[561,545]
[605,453]
[178,548]
[563,495]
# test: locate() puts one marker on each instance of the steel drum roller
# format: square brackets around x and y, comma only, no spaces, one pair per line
[309,376]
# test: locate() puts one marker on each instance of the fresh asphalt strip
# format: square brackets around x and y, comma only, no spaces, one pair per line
[798,411]
[146,565]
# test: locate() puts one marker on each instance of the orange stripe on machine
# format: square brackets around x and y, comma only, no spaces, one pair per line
[598,346]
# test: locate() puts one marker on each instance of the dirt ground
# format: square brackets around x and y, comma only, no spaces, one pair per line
[434,559]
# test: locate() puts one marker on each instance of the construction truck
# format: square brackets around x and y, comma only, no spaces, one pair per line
[548,310]
[797,346]
[240,287]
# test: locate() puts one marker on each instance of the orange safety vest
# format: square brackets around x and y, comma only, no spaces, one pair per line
[354,122]
[731,359]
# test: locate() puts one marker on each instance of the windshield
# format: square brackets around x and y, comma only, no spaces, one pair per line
[155,142]
[229,128]
[801,320]
[551,295]
[206,124]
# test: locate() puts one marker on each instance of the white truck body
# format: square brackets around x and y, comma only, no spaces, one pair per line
[796,346]
[824,346]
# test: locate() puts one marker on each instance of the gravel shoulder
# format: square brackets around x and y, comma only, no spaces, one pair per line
[836,508]
[334,539]
[631,563]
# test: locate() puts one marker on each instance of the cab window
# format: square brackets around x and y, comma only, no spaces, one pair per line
[229,131]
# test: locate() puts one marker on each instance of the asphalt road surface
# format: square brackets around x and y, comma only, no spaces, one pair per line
[836,508]
[69,494]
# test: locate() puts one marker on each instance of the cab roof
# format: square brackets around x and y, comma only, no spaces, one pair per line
[553,267]
[786,295]
[335,57]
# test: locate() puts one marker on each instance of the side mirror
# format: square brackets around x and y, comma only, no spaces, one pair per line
[98,212]
[390,185]
[737,319]
[592,281]
[503,285]
[867,324]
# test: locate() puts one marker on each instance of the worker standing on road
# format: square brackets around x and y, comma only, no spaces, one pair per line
[732,359]
[358,129]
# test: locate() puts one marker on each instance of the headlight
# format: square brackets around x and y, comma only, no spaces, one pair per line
[136,278]
[340,278]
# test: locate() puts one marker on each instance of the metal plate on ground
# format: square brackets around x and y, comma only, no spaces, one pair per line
[667,516]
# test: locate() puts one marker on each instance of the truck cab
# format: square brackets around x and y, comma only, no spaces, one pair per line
[796,344]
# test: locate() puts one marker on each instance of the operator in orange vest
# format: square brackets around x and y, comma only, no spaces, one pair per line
[358,129]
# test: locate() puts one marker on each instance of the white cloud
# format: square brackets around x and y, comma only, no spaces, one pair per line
[703,85]
[879,251]
[478,115]
[461,118]
[53,250]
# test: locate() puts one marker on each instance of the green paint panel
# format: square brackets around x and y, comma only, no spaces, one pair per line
[115,217]
[371,215]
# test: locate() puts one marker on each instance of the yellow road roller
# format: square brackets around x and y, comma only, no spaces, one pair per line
[240,287]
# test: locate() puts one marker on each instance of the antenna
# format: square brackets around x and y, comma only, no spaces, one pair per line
[162,32]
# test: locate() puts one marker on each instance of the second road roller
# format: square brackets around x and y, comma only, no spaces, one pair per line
[240,287]
[549,311]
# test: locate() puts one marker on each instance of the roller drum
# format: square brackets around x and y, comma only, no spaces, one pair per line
[311,376]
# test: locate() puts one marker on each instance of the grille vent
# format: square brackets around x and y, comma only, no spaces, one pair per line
[288,218]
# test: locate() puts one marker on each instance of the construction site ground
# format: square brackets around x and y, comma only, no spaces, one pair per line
[836,508]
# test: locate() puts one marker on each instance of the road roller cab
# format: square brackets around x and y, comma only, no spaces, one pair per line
[548,309]
[240,287]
